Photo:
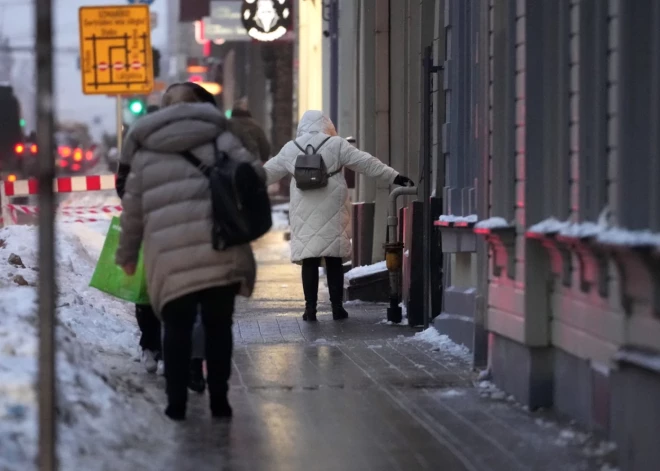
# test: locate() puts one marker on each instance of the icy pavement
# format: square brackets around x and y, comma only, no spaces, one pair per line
[350,395]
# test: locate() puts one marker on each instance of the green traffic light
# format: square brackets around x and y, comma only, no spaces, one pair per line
[136,107]
[22,122]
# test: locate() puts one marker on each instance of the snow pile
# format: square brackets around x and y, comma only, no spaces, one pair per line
[472,218]
[488,390]
[549,226]
[365,270]
[442,343]
[284,207]
[492,223]
[280,221]
[96,415]
[280,215]
[452,393]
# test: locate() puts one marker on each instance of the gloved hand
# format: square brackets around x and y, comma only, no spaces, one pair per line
[403,181]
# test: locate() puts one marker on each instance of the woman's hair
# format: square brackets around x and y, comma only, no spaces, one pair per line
[187,92]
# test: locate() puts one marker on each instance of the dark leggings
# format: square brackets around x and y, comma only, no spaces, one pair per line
[310,278]
[149,326]
[217,309]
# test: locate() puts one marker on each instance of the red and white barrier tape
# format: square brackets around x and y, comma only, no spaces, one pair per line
[68,210]
[62,185]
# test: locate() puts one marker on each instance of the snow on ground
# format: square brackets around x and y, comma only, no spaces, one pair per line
[280,220]
[97,417]
[492,223]
[92,199]
[442,343]
[365,270]
[472,218]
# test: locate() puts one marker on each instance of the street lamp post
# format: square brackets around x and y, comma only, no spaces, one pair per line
[47,276]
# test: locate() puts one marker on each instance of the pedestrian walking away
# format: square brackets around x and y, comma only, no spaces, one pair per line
[167,206]
[320,211]
[148,323]
[249,132]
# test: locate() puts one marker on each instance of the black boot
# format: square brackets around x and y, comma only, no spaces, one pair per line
[220,408]
[196,380]
[338,312]
[176,412]
[310,314]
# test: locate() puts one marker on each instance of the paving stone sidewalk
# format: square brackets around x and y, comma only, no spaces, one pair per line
[361,395]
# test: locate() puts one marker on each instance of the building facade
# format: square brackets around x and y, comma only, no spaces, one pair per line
[534,128]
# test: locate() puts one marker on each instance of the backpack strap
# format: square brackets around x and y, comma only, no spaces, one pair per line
[321,144]
[201,166]
[309,145]
[298,146]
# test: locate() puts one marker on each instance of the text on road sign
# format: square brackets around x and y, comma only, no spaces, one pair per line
[115,50]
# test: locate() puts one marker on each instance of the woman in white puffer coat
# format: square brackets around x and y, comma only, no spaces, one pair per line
[320,218]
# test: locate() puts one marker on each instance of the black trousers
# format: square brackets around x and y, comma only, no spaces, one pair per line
[310,279]
[217,309]
[149,326]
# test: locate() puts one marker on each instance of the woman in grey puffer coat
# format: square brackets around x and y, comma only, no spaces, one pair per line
[167,206]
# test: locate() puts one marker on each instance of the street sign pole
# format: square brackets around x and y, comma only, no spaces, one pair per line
[120,124]
[47,273]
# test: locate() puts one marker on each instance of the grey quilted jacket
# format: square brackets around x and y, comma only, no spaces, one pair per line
[320,219]
[167,204]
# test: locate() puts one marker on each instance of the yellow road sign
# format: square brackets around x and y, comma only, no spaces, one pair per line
[115,50]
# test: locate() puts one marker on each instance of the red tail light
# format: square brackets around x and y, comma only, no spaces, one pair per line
[34,148]
[77,155]
[89,155]
[75,167]
[64,151]
[64,163]
[19,148]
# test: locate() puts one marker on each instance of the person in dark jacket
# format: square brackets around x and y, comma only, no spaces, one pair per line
[148,323]
[250,133]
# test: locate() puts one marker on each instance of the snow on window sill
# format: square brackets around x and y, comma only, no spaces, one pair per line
[501,238]
[449,220]
[492,224]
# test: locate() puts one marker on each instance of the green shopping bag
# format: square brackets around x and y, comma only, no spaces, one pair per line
[111,279]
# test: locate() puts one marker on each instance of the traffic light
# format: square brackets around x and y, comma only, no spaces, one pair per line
[137,106]
[156,61]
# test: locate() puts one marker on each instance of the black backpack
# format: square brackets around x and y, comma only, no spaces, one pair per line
[241,206]
[310,171]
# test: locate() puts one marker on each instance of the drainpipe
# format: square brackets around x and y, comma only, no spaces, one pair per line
[394,254]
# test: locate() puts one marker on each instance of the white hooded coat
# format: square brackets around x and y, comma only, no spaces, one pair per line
[320,219]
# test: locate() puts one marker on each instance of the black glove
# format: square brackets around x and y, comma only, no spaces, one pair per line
[403,181]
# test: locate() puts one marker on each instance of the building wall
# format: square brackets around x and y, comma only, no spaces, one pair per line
[310,56]
[544,109]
